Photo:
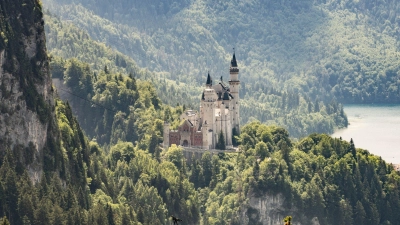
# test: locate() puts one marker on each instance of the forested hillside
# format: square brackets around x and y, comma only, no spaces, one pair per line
[298,113]
[52,173]
[327,49]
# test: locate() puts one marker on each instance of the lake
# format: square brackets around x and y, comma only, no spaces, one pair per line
[375,128]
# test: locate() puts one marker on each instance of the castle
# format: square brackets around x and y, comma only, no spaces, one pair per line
[219,113]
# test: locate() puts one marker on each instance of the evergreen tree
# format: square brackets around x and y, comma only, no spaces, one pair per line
[288,220]
[110,215]
[153,145]
[352,148]
[4,221]
[196,170]
[221,142]
[234,136]
[207,168]
[359,214]
[11,194]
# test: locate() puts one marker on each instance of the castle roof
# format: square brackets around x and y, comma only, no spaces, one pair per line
[209,80]
[233,61]
[226,96]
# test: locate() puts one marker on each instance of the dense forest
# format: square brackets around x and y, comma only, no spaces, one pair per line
[129,184]
[298,113]
[345,50]
[108,168]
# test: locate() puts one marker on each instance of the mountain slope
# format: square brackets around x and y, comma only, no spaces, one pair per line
[343,50]
[26,92]
[49,172]
[288,109]
[81,183]
[34,151]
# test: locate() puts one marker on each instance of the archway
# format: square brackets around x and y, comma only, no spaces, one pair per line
[185,143]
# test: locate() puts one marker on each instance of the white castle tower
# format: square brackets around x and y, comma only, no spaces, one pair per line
[234,85]
[208,105]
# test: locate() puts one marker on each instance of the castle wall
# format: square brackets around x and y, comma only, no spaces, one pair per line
[174,138]
[198,139]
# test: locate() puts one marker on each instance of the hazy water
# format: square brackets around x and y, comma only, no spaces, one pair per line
[375,128]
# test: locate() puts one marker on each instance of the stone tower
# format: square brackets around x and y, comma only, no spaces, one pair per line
[166,135]
[234,85]
[208,104]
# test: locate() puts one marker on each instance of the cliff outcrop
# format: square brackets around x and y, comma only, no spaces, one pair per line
[26,96]
[271,209]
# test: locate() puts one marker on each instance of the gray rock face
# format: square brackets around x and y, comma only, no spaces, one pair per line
[18,124]
[270,210]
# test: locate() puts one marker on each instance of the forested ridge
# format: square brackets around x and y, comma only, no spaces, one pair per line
[109,169]
[327,49]
[300,114]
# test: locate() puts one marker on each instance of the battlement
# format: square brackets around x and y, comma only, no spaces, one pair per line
[234,70]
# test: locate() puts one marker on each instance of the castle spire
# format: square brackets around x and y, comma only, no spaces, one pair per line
[233,61]
[209,80]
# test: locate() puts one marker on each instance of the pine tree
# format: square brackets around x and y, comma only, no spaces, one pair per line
[288,220]
[359,213]
[207,168]
[234,137]
[10,193]
[221,142]
[194,177]
[352,148]
[4,221]
[110,215]
[153,145]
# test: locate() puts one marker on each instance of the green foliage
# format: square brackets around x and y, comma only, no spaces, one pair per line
[4,221]
[68,41]
[295,49]
[126,182]
[175,155]
[267,101]
[221,142]
[112,107]
[288,220]
[294,54]
[326,177]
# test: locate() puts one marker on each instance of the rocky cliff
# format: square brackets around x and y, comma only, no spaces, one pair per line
[26,96]
[271,209]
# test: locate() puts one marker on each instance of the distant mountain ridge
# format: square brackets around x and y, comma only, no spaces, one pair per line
[325,49]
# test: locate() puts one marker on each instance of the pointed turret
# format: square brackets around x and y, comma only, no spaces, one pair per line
[233,69]
[233,61]
[209,80]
